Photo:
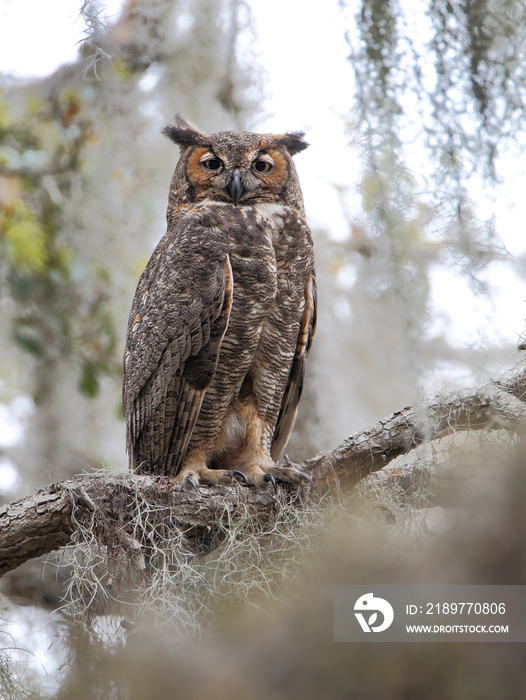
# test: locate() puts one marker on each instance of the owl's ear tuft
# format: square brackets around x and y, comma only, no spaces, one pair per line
[293,142]
[183,133]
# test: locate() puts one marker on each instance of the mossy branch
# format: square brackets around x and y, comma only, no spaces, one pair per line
[46,521]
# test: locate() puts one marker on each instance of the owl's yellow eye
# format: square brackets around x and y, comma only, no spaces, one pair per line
[261,166]
[212,164]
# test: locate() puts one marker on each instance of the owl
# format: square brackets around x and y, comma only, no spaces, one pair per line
[223,316]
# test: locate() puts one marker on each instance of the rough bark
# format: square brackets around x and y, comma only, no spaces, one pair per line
[46,521]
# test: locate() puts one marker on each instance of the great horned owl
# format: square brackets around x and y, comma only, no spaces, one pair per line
[224,314]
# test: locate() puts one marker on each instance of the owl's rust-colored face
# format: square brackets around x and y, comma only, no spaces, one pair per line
[254,176]
[236,167]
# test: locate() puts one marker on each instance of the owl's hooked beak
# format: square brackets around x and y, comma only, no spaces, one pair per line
[235,188]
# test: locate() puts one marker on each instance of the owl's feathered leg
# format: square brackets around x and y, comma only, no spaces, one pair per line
[240,453]
[254,459]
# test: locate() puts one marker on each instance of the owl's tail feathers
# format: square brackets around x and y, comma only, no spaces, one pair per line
[289,409]
[188,407]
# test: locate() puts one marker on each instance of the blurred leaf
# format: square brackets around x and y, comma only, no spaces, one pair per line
[123,70]
[29,343]
[120,412]
[89,379]
[4,112]
[26,246]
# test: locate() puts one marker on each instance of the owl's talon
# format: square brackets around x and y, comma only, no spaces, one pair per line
[269,478]
[288,475]
[307,477]
[190,480]
[236,473]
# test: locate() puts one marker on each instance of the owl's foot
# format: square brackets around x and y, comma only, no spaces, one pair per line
[288,475]
[265,477]
[193,476]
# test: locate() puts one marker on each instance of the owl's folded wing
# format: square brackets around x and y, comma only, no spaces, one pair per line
[291,397]
[178,319]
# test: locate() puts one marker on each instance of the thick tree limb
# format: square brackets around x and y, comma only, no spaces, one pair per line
[44,522]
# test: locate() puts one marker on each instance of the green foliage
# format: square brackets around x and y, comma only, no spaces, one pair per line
[4,113]
[62,308]
[89,378]
[25,240]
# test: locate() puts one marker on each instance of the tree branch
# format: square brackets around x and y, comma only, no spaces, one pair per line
[46,521]
[498,405]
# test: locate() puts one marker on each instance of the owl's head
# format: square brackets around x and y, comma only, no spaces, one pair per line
[237,167]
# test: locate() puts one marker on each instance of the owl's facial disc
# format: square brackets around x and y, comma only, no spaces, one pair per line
[255,175]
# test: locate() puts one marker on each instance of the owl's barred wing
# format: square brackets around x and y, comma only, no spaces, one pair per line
[179,317]
[291,397]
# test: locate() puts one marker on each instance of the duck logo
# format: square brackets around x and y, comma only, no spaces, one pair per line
[370,607]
